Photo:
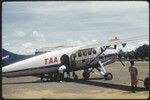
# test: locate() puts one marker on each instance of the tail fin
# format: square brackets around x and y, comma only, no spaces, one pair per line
[9,57]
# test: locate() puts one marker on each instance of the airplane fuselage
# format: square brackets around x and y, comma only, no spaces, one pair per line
[75,58]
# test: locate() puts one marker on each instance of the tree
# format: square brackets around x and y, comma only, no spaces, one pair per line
[142,51]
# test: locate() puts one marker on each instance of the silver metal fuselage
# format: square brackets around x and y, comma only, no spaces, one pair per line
[79,58]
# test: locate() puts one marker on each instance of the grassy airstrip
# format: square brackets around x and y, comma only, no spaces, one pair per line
[94,88]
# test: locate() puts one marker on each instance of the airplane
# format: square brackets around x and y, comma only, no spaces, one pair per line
[80,57]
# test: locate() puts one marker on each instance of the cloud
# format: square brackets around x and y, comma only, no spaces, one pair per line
[113,6]
[27,45]
[6,44]
[135,44]
[38,36]
[70,42]
[19,33]
[78,21]
[144,42]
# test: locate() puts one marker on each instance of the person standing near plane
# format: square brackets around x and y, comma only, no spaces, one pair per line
[61,70]
[133,74]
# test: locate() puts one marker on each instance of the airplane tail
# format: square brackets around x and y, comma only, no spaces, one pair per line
[9,57]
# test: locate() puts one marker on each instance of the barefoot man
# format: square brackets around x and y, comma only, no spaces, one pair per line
[133,74]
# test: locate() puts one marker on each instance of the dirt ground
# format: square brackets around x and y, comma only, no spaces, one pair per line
[94,88]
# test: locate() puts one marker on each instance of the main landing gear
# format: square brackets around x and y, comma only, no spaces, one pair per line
[101,69]
[49,77]
[75,77]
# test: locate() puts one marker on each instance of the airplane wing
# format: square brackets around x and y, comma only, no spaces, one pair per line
[50,49]
[113,43]
[141,39]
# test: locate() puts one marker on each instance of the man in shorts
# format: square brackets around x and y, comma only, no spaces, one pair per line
[133,75]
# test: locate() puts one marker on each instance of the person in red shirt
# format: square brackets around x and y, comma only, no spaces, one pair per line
[133,74]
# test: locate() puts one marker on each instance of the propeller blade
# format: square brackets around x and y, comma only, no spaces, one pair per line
[121,61]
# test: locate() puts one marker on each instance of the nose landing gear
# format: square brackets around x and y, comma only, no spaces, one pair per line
[101,69]
[86,74]
[108,76]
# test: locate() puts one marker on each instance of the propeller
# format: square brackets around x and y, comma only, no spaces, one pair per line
[121,61]
[119,58]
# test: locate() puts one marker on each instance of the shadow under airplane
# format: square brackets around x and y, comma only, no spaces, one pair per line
[89,82]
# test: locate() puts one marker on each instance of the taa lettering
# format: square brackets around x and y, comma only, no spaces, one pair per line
[50,60]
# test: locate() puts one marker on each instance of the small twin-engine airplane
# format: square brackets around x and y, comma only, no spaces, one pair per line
[75,58]
[83,57]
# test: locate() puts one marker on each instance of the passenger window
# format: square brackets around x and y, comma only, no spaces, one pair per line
[84,53]
[79,54]
[74,56]
[94,51]
[89,53]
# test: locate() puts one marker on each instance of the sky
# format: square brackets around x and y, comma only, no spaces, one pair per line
[27,26]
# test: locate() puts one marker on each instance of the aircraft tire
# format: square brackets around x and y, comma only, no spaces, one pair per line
[86,75]
[147,83]
[108,76]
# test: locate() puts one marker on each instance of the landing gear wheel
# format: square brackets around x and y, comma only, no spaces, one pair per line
[147,82]
[86,75]
[108,76]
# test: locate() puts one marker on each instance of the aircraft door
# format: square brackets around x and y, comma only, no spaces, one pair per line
[65,60]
